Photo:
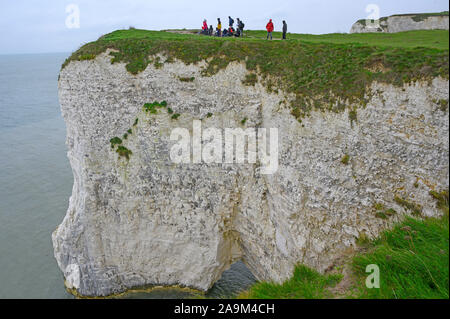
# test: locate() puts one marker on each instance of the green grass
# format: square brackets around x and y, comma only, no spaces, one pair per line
[413,259]
[304,284]
[435,39]
[324,72]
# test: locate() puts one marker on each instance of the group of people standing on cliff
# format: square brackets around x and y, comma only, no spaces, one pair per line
[239,31]
[230,32]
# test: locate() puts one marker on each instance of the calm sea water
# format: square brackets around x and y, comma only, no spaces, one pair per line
[36,183]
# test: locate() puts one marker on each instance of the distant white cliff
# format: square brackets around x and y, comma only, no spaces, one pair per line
[404,22]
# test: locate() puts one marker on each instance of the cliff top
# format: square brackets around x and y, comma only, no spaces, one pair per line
[323,71]
[432,14]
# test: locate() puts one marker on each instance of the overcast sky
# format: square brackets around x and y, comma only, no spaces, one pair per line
[36,26]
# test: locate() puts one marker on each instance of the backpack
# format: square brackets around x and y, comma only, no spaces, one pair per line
[241,25]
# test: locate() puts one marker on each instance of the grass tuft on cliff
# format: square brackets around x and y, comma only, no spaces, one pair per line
[324,72]
[304,284]
[413,259]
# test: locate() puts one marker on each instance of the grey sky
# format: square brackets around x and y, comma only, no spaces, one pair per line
[34,26]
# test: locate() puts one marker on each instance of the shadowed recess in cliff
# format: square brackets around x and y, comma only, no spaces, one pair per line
[233,281]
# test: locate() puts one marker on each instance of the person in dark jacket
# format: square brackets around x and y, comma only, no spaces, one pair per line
[284,29]
[241,26]
[230,21]
[269,28]
[211,30]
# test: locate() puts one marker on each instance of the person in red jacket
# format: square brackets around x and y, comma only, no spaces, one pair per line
[269,28]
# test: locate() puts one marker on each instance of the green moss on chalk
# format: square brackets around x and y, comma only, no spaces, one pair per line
[124,152]
[250,79]
[346,159]
[187,79]
[115,141]
[414,208]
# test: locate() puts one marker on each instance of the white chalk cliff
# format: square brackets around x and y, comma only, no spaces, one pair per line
[149,221]
[400,23]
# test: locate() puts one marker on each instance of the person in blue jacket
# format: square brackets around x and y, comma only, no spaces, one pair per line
[231,21]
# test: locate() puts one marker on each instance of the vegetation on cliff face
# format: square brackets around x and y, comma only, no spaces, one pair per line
[423,16]
[413,259]
[148,108]
[121,150]
[329,72]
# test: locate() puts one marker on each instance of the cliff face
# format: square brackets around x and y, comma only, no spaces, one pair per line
[400,23]
[147,220]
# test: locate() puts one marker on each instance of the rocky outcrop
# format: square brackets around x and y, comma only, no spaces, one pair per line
[400,23]
[148,220]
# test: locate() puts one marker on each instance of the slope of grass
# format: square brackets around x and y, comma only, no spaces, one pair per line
[304,284]
[330,72]
[413,259]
